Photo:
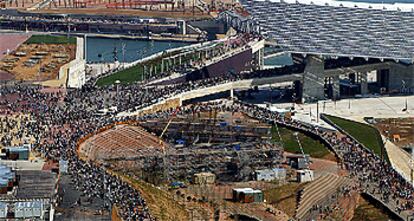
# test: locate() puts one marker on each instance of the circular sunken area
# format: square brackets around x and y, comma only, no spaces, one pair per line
[120,142]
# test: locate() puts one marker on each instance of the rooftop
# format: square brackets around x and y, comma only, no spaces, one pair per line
[35,184]
[335,30]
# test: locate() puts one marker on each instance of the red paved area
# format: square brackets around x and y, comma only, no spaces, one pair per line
[49,165]
[4,76]
[11,42]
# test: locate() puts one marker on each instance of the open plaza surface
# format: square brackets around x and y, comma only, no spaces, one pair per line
[198,127]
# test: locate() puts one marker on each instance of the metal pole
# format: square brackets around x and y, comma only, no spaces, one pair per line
[317,111]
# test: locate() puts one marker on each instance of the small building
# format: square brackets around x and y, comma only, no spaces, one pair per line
[26,194]
[247,195]
[31,209]
[3,210]
[7,179]
[305,175]
[16,153]
[298,161]
[271,174]
[204,178]
[63,166]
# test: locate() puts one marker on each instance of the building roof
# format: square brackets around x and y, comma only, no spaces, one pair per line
[335,30]
[35,184]
[30,204]
[272,170]
[120,142]
[246,190]
[204,174]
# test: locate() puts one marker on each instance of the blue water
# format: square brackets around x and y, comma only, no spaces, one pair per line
[279,60]
[101,49]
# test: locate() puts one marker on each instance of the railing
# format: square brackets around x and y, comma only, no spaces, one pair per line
[310,130]
[366,189]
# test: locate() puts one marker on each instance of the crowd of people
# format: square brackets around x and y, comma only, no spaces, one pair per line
[59,124]
[116,20]
[63,117]
[375,175]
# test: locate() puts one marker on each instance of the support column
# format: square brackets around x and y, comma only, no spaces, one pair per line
[313,79]
[261,58]
[363,80]
[335,87]
[232,93]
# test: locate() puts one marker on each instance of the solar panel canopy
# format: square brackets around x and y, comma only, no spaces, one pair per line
[335,31]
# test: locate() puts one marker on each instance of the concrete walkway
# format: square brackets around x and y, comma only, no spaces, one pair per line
[400,160]
[357,109]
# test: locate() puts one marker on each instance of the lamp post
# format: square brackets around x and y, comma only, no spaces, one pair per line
[117,83]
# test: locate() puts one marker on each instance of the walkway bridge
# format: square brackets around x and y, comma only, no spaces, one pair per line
[214,89]
[311,82]
[367,186]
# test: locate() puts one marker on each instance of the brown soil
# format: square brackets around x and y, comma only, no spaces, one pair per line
[220,195]
[46,69]
[404,127]
[160,203]
[21,4]
[330,156]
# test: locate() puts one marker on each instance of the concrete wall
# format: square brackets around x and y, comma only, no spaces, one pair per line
[313,79]
[212,27]
[76,68]
[76,74]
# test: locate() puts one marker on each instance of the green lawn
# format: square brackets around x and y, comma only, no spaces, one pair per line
[126,76]
[50,39]
[134,74]
[310,146]
[363,133]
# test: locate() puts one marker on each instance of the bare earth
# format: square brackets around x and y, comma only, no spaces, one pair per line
[46,69]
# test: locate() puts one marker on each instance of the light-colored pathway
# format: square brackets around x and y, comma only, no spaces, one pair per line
[357,109]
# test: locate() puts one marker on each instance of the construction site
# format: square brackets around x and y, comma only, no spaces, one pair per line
[219,164]
[178,148]
[37,61]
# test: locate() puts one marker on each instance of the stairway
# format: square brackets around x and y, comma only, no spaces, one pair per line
[318,191]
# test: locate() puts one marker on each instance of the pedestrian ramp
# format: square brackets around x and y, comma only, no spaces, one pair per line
[318,193]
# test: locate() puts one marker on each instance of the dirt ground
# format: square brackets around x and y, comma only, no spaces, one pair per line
[220,195]
[47,67]
[394,127]
[19,4]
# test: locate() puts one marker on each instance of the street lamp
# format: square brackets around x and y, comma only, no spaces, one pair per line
[117,82]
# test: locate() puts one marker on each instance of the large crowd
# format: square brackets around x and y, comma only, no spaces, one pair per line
[65,116]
